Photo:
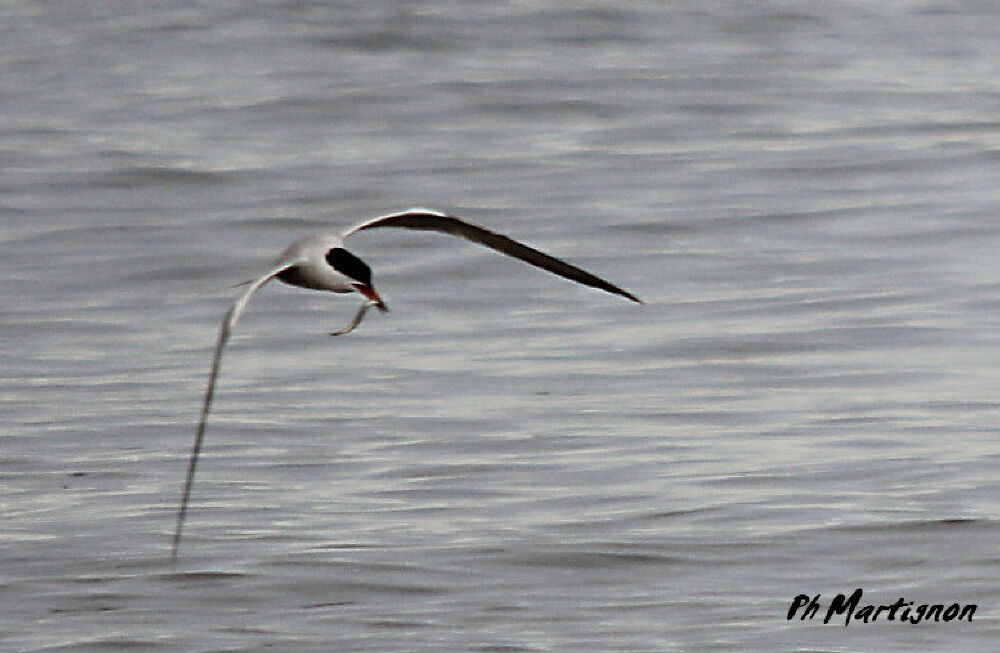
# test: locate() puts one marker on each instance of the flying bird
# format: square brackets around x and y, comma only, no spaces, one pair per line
[321,262]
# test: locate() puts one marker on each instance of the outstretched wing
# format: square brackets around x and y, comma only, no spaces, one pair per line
[424,220]
[228,323]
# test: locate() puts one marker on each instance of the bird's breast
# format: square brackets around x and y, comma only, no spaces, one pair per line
[316,278]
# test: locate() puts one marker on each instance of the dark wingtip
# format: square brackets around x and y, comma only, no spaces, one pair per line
[626,294]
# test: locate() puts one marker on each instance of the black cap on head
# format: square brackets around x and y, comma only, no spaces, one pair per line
[349,265]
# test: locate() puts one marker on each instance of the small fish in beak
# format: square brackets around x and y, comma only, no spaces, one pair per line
[370,293]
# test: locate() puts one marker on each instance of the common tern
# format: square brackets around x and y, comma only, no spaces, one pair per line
[320,262]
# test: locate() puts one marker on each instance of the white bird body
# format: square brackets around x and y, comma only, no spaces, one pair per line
[320,262]
[309,268]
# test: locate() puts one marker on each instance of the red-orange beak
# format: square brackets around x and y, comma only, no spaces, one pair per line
[370,293]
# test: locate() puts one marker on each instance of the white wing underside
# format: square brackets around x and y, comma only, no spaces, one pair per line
[225,331]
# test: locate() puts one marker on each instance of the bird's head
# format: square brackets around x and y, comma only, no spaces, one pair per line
[358,272]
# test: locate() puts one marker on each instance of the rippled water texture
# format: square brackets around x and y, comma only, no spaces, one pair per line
[805,194]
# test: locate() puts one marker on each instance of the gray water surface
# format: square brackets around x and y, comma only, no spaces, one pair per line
[804,193]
